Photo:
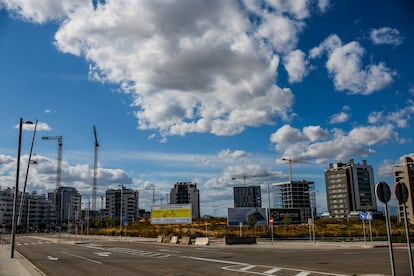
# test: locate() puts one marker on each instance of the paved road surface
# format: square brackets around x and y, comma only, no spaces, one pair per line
[103,257]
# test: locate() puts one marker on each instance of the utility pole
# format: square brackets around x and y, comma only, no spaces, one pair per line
[95,170]
[59,159]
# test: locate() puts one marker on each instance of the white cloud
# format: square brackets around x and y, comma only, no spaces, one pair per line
[42,175]
[332,145]
[398,118]
[41,126]
[298,8]
[340,117]
[315,133]
[228,154]
[295,64]
[386,35]
[323,5]
[190,64]
[345,65]
[42,11]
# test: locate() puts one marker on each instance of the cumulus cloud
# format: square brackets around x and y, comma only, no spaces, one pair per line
[228,154]
[42,175]
[345,65]
[340,117]
[191,66]
[295,64]
[323,5]
[331,145]
[387,36]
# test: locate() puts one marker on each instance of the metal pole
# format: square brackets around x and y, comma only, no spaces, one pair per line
[28,215]
[16,190]
[120,212]
[407,233]
[19,219]
[387,220]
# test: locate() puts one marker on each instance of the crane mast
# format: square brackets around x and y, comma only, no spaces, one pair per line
[59,159]
[95,170]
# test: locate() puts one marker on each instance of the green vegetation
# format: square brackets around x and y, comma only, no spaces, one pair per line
[342,230]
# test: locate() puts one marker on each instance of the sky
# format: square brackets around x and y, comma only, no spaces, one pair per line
[204,91]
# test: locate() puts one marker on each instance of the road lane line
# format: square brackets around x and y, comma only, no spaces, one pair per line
[81,257]
[303,273]
[247,267]
[271,271]
[216,261]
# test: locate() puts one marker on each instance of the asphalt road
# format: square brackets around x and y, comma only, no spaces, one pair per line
[131,257]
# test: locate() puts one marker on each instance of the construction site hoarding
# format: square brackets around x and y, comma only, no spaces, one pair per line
[283,216]
[246,216]
[171,214]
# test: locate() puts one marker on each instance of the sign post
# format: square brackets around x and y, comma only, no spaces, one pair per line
[362,216]
[271,227]
[401,193]
[383,192]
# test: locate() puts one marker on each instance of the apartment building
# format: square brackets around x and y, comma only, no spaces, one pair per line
[247,196]
[187,193]
[349,188]
[404,173]
[122,202]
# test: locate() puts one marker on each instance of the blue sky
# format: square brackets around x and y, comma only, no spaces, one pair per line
[204,91]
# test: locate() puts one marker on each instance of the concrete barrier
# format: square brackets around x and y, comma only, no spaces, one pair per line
[185,240]
[202,241]
[241,240]
[166,239]
[159,239]
[174,239]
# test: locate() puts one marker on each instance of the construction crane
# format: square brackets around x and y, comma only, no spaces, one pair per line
[59,159]
[244,177]
[95,170]
[290,161]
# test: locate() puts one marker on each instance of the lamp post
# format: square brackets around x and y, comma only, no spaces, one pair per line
[120,213]
[16,188]
[30,161]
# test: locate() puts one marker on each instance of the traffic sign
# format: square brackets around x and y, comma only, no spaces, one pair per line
[401,192]
[383,192]
[271,220]
[362,216]
[368,215]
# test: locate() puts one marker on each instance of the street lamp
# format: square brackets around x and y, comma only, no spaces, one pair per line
[30,161]
[16,188]
[120,212]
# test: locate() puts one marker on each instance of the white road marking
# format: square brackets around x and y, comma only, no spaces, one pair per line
[168,250]
[81,257]
[247,267]
[103,254]
[50,258]
[271,271]
[303,273]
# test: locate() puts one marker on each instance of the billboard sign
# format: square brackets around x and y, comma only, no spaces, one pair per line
[283,216]
[171,214]
[246,216]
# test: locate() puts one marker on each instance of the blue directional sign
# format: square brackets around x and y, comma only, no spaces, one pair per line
[365,216]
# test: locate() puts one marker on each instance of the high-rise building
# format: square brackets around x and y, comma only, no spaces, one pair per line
[295,195]
[404,173]
[349,188]
[247,196]
[67,205]
[123,202]
[186,193]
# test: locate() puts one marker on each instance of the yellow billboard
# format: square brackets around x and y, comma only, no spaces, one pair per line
[171,214]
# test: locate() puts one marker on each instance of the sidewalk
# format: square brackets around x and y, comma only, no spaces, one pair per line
[18,266]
